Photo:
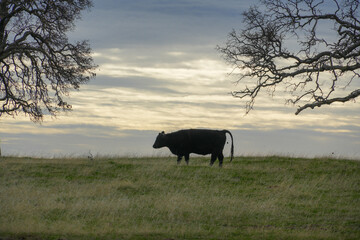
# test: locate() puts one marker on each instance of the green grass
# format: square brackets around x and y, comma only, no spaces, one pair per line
[153,198]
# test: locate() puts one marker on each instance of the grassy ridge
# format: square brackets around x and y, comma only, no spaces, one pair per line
[153,198]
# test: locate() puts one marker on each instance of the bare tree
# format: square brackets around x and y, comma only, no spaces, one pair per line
[38,64]
[310,48]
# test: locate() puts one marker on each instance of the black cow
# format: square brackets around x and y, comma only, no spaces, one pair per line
[200,141]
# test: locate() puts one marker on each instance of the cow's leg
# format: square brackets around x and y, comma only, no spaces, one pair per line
[213,158]
[221,158]
[179,159]
[187,156]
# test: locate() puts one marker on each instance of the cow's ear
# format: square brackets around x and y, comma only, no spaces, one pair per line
[162,132]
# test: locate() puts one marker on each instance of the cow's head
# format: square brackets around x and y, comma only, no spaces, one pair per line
[160,140]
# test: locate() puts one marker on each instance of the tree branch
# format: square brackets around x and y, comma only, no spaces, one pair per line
[39,65]
[352,95]
[319,63]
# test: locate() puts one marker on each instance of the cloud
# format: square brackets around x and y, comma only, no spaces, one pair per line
[139,83]
[197,73]
[157,23]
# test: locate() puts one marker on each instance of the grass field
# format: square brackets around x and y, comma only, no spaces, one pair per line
[153,198]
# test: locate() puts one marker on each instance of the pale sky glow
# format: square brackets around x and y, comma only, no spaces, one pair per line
[159,70]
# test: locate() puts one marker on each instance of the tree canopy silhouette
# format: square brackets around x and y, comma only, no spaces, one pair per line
[38,63]
[310,48]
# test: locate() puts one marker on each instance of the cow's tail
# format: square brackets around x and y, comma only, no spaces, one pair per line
[232,144]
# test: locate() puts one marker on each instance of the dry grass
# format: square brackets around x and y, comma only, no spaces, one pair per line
[150,198]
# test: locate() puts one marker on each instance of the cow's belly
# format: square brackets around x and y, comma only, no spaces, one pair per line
[203,150]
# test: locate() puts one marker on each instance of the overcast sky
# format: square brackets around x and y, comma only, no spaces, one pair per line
[159,70]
